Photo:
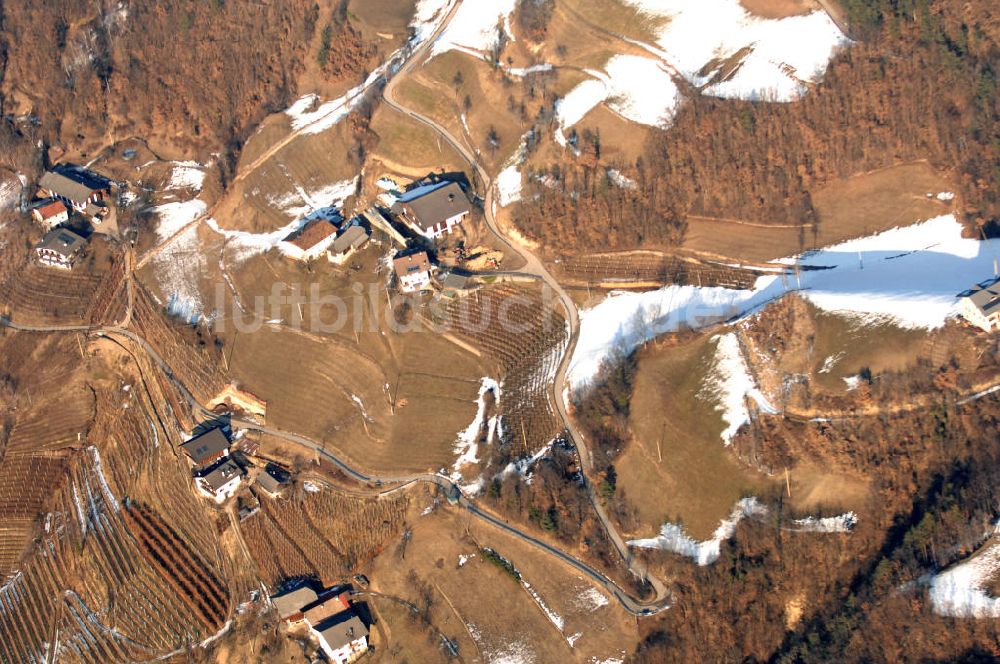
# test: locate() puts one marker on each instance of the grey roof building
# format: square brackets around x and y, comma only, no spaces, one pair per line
[60,248]
[433,209]
[208,447]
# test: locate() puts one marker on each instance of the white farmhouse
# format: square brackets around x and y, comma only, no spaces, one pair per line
[434,209]
[60,248]
[980,305]
[51,213]
[221,483]
[413,271]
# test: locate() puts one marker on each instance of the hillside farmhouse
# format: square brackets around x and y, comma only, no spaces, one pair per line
[311,240]
[207,448]
[342,635]
[221,482]
[433,209]
[51,213]
[347,244]
[78,188]
[980,305]
[413,271]
[60,248]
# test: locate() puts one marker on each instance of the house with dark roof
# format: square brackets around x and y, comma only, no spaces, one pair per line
[432,210]
[980,305]
[413,271]
[271,480]
[50,213]
[207,447]
[80,189]
[60,248]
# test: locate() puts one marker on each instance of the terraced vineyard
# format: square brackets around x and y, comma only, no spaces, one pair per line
[37,294]
[326,535]
[526,337]
[649,268]
[107,583]
[190,578]
[198,370]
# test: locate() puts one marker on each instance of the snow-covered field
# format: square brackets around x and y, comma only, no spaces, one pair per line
[908,275]
[176,215]
[187,175]
[637,88]
[776,56]
[960,591]
[476,27]
[178,269]
[716,46]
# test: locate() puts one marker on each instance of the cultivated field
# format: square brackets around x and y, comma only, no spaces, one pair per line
[525,337]
[647,269]
[117,581]
[325,535]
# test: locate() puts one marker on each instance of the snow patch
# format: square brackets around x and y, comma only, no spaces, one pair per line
[961,590]
[173,217]
[731,383]
[467,443]
[187,175]
[590,599]
[673,538]
[766,59]
[843,523]
[637,88]
[476,28]
[620,180]
[178,269]
[553,617]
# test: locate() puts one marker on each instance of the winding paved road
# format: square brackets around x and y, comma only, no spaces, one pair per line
[533,266]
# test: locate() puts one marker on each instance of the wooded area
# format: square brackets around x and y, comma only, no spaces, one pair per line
[920,83]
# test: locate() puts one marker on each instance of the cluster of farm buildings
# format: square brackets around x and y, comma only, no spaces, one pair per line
[64,192]
[416,220]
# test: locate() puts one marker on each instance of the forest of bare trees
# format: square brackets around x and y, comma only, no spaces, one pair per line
[920,82]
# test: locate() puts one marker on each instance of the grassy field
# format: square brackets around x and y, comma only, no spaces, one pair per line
[879,347]
[615,16]
[794,338]
[853,207]
[433,382]
[677,468]
[411,148]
